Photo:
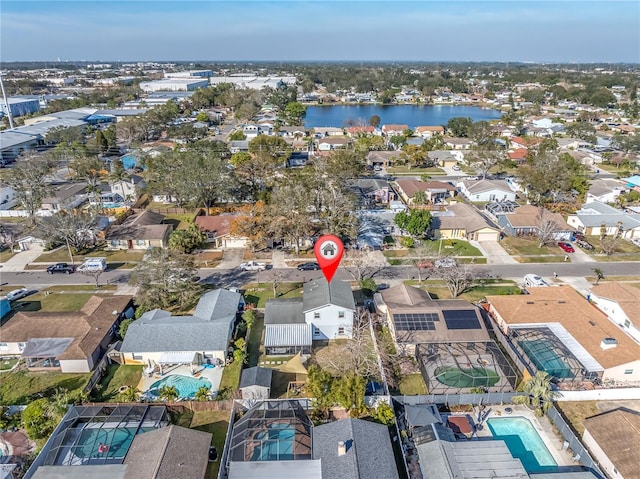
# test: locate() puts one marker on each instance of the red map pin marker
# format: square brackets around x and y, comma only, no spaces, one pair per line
[328,250]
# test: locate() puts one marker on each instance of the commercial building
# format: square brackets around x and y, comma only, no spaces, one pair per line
[20,106]
[174,84]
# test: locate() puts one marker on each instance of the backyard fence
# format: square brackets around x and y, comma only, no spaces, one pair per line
[574,443]
[100,371]
[456,399]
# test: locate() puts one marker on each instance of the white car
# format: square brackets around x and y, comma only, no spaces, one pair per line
[534,280]
[17,294]
[445,263]
[455,168]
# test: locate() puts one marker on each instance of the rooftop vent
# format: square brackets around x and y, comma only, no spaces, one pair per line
[592,323]
[608,343]
[561,301]
[530,302]
[342,448]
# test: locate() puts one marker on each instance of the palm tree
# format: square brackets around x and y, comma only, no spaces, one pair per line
[599,274]
[168,393]
[203,394]
[540,394]
[129,395]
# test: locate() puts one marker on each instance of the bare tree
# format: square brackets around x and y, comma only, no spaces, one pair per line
[9,235]
[361,264]
[608,245]
[547,226]
[423,259]
[29,180]
[95,274]
[74,229]
[277,277]
[458,278]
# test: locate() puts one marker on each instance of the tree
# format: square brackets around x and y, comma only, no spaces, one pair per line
[383,413]
[253,222]
[95,274]
[186,240]
[130,394]
[398,140]
[608,246]
[29,179]
[348,392]
[583,130]
[318,386]
[203,394]
[374,121]
[166,279]
[89,169]
[36,419]
[124,327]
[547,227]
[485,153]
[203,117]
[168,393]
[599,274]
[361,265]
[249,317]
[539,393]
[237,135]
[294,112]
[75,229]
[240,352]
[416,222]
[458,278]
[459,126]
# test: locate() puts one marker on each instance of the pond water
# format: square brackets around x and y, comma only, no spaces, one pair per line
[412,115]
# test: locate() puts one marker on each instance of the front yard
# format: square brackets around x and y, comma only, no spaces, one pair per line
[523,245]
[52,301]
[258,293]
[61,255]
[438,289]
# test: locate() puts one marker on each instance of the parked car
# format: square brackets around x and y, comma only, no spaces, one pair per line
[253,266]
[455,168]
[445,263]
[313,266]
[17,294]
[566,247]
[585,245]
[61,268]
[534,280]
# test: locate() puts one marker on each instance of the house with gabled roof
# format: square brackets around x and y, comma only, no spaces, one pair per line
[325,311]
[71,342]
[255,383]
[621,303]
[462,221]
[434,191]
[592,216]
[526,220]
[427,132]
[486,190]
[159,338]
[394,130]
[217,230]
[139,231]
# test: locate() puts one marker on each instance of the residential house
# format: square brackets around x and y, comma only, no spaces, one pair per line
[139,231]
[66,197]
[217,230]
[518,142]
[256,383]
[7,197]
[158,338]
[435,192]
[518,155]
[324,131]
[343,449]
[236,146]
[333,143]
[356,131]
[462,221]
[382,158]
[394,130]
[445,158]
[292,132]
[457,143]
[413,318]
[604,190]
[527,219]
[633,182]
[621,303]
[428,132]
[594,216]
[558,331]
[71,342]
[325,311]
[613,438]
[372,192]
[480,191]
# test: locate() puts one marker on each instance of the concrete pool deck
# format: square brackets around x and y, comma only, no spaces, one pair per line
[542,425]
[213,375]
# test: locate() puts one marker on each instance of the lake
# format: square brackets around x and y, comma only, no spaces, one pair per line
[412,115]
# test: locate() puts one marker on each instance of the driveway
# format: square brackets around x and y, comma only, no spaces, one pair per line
[494,252]
[231,258]
[20,260]
[580,256]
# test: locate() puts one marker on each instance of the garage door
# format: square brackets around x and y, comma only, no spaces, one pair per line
[488,236]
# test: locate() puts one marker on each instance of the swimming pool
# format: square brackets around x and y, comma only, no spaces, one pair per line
[112,204]
[542,354]
[523,442]
[118,439]
[466,378]
[186,386]
[274,444]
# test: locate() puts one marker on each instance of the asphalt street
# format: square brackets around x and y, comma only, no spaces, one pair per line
[235,277]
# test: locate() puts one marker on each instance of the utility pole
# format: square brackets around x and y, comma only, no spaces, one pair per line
[6,103]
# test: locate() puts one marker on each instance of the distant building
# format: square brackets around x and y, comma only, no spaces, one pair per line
[20,106]
[174,84]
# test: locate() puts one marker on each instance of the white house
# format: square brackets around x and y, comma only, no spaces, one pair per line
[486,190]
[590,218]
[621,303]
[7,197]
[326,311]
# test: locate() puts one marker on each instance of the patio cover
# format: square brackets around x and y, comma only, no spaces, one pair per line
[294,365]
[46,347]
[177,357]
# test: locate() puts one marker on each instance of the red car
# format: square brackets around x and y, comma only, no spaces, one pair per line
[566,247]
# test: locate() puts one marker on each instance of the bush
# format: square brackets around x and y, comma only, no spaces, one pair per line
[368,286]
[407,241]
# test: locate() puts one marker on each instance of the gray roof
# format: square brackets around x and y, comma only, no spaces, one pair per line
[209,329]
[369,454]
[369,185]
[468,459]
[283,311]
[167,453]
[319,293]
[97,471]
[11,138]
[300,469]
[441,155]
[481,186]
[422,415]
[256,376]
[42,128]
[595,213]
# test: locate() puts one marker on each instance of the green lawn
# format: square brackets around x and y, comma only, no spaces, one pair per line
[231,376]
[216,423]
[61,255]
[452,247]
[395,253]
[476,292]
[255,341]
[21,387]
[519,245]
[116,377]
[412,385]
[91,288]
[7,364]
[52,302]
[5,254]
[541,259]
[258,293]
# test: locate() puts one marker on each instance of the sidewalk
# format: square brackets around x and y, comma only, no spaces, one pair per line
[20,260]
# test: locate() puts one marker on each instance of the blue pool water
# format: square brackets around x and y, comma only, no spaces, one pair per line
[129,161]
[112,204]
[118,439]
[523,442]
[274,444]
[185,385]
[544,357]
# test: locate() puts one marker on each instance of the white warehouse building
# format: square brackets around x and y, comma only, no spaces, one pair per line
[175,84]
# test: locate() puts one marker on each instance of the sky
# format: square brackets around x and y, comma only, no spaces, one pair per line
[577,31]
